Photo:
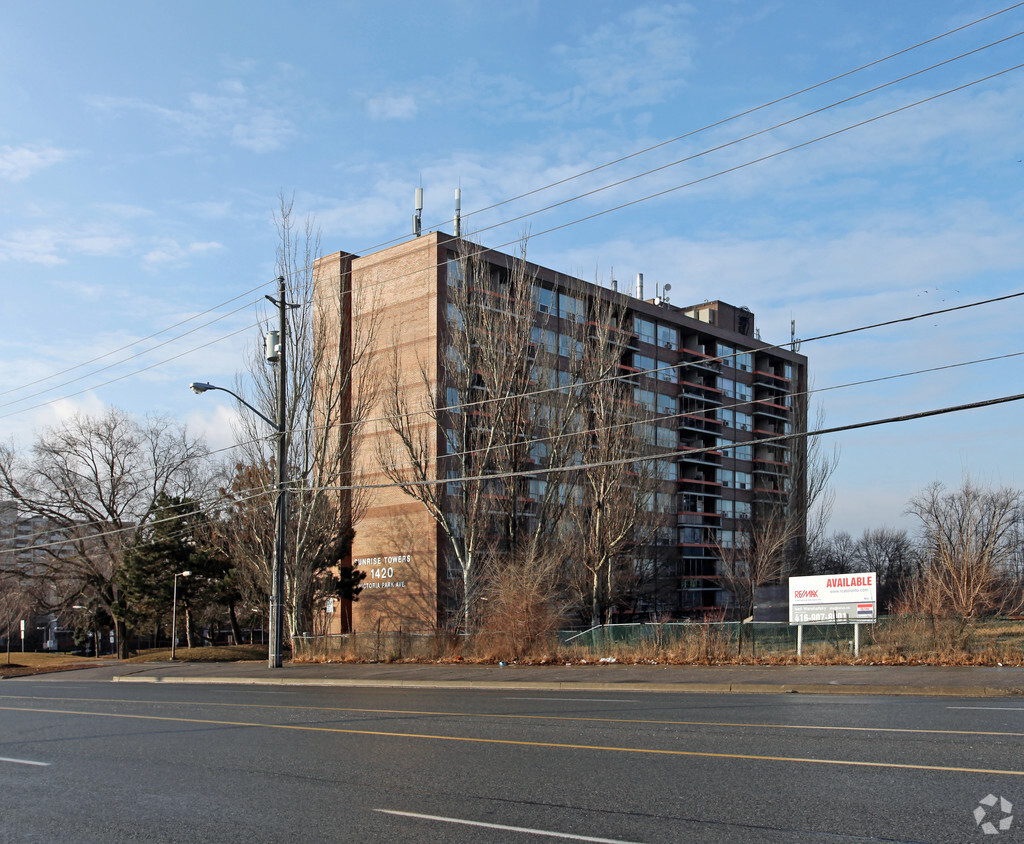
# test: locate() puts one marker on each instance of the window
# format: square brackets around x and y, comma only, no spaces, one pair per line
[666,372]
[743,480]
[644,398]
[646,329]
[455,317]
[690,535]
[539,452]
[666,405]
[456,271]
[743,361]
[741,452]
[727,477]
[570,307]
[668,337]
[727,416]
[645,364]
[455,361]
[669,470]
[544,299]
[566,345]
[646,433]
[667,438]
[454,405]
[744,421]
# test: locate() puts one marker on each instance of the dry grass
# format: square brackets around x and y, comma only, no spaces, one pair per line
[901,640]
[35,663]
[225,653]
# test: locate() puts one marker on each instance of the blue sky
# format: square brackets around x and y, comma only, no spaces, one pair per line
[143,147]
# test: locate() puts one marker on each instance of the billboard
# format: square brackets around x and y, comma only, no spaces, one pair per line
[833,598]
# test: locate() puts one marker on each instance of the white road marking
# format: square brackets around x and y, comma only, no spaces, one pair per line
[575,699]
[24,762]
[525,829]
[991,708]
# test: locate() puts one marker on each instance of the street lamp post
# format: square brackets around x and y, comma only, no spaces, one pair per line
[275,354]
[174,612]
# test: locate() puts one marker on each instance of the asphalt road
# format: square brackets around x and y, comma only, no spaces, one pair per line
[87,760]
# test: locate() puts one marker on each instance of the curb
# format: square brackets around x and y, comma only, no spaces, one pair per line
[559,686]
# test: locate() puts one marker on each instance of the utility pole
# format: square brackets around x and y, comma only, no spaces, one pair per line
[281,507]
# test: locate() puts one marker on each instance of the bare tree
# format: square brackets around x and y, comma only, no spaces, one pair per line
[523,399]
[94,480]
[483,413]
[774,541]
[330,387]
[17,603]
[614,515]
[968,549]
[891,554]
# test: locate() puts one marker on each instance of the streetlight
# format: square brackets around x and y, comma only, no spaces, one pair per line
[275,353]
[174,612]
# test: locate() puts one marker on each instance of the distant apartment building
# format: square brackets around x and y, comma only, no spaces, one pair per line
[718,401]
[26,543]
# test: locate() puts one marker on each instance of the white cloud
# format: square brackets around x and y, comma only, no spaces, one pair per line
[392,107]
[169,251]
[636,60]
[237,115]
[18,163]
[54,246]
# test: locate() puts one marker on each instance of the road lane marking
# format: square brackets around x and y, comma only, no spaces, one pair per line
[991,708]
[569,718]
[526,829]
[575,699]
[653,751]
[24,762]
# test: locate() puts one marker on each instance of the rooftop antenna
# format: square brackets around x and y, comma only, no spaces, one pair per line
[419,212]
[458,212]
[615,284]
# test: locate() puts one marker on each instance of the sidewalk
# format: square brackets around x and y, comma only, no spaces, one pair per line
[809,679]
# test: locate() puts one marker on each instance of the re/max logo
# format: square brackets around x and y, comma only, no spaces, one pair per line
[805,593]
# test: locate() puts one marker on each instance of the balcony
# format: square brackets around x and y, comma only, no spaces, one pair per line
[701,487]
[691,359]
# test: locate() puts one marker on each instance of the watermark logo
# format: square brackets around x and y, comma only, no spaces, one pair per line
[993,815]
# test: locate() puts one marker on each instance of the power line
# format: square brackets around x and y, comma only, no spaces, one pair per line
[650,196]
[130,357]
[688,452]
[716,124]
[132,344]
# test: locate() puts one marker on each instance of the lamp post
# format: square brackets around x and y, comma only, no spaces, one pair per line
[275,347]
[174,612]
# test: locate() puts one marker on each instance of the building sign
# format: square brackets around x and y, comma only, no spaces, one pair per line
[842,598]
[384,572]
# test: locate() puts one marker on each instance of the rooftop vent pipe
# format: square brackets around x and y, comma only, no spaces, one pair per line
[639,285]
